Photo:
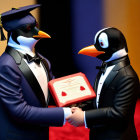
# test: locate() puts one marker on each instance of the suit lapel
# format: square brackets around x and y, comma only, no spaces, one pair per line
[46,67]
[95,87]
[109,79]
[97,81]
[29,76]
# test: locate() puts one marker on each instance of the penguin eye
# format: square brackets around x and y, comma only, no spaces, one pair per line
[101,43]
[103,40]
[28,28]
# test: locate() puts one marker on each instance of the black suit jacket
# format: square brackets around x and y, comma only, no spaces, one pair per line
[114,118]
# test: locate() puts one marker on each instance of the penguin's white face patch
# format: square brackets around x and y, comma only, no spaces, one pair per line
[103,40]
[99,33]
[26,41]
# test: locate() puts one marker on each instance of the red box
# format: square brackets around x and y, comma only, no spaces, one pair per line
[71,89]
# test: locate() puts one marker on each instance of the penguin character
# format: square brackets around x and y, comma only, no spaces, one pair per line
[116,86]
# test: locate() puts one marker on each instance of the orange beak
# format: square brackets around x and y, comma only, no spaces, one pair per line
[90,51]
[41,34]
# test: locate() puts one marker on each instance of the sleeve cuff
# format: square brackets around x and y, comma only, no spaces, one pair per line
[67,112]
[85,120]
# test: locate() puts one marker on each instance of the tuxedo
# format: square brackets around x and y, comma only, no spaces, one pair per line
[114,117]
[23,110]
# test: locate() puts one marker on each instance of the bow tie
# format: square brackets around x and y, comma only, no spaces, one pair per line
[30,59]
[102,68]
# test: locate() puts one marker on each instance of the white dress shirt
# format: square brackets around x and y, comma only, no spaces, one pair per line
[101,82]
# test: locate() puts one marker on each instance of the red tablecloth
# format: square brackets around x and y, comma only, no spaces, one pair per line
[137,118]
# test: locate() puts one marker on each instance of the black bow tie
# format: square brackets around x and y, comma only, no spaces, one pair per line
[102,68]
[30,59]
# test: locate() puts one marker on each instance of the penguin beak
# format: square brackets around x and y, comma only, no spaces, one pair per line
[90,51]
[42,34]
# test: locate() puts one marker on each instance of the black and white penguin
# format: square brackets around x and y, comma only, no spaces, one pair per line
[116,87]
[109,44]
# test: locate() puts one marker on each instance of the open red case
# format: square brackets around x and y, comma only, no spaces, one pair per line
[71,89]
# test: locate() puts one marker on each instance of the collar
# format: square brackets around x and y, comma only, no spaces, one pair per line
[116,61]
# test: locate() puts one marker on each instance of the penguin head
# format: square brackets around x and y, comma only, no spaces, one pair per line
[28,33]
[21,25]
[106,42]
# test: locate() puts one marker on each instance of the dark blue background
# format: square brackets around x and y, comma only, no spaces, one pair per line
[72,25]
